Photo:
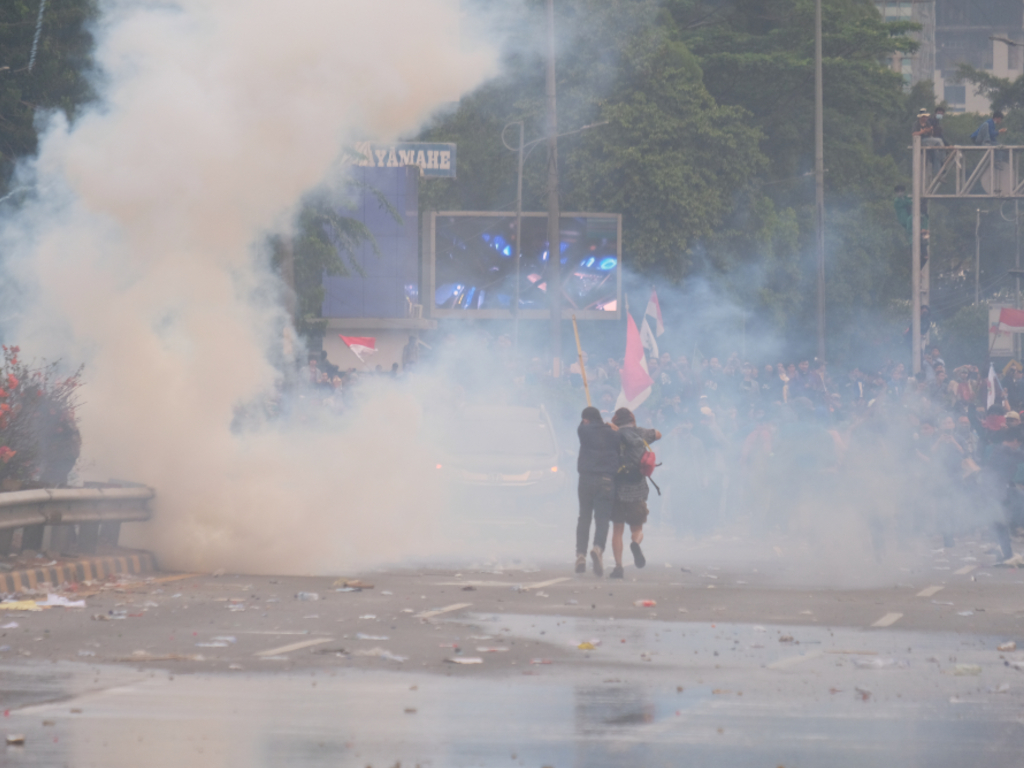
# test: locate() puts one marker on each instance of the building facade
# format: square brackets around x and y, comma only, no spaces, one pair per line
[987,34]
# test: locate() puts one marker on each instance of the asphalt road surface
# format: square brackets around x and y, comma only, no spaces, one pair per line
[716,660]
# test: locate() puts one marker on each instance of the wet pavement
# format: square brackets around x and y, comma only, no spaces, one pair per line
[714,665]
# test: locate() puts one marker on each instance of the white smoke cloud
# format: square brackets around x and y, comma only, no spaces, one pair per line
[138,259]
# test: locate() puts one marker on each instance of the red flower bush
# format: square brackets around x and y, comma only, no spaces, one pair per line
[39,439]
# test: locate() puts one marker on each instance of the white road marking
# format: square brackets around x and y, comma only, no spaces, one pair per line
[294,647]
[965,570]
[888,620]
[929,591]
[439,611]
[550,582]
[791,661]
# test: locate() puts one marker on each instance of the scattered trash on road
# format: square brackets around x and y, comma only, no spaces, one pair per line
[586,646]
[961,670]
[56,601]
[490,649]
[307,596]
[645,603]
[361,636]
[381,653]
[15,739]
[1010,646]
[20,605]
[465,660]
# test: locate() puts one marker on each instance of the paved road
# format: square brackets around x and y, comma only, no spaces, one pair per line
[737,662]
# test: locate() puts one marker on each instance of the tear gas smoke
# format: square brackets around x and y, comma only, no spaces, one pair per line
[138,257]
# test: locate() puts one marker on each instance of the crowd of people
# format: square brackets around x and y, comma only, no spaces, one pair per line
[777,444]
[773,444]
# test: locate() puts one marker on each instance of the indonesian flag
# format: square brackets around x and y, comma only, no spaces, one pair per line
[647,338]
[361,346]
[653,311]
[636,380]
[995,389]
[1011,320]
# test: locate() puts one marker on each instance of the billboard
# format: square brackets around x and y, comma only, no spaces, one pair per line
[472,269]
[433,160]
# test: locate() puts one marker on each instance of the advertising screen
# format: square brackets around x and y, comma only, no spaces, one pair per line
[473,270]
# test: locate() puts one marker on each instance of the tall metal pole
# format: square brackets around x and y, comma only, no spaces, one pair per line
[915,258]
[554,231]
[519,242]
[1016,298]
[819,176]
[977,256]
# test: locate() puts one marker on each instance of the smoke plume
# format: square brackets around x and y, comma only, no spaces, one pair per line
[138,255]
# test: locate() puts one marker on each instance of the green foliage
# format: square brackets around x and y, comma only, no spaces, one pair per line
[1004,93]
[57,79]
[670,159]
[964,337]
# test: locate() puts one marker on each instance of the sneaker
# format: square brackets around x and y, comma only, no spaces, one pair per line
[581,563]
[616,573]
[638,556]
[595,557]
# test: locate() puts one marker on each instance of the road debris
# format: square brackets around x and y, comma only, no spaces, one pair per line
[15,739]
[381,653]
[465,660]
[1010,646]
[307,596]
[961,670]
[645,603]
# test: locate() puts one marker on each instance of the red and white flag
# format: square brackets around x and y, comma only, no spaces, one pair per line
[653,311]
[636,380]
[361,346]
[1011,320]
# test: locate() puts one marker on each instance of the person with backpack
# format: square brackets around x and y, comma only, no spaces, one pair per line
[636,462]
[988,132]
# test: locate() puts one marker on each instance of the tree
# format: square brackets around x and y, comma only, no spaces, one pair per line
[669,159]
[1005,94]
[57,78]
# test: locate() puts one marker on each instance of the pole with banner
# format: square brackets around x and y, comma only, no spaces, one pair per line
[579,352]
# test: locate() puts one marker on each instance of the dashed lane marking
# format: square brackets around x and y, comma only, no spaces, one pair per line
[929,591]
[548,583]
[888,620]
[294,647]
[965,570]
[791,661]
[439,611]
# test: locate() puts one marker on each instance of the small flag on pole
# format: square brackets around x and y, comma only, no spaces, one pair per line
[647,338]
[995,389]
[653,311]
[361,346]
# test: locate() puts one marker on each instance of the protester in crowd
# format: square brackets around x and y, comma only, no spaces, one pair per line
[598,465]
[631,489]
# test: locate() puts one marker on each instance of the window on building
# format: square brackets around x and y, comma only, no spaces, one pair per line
[955,94]
[896,10]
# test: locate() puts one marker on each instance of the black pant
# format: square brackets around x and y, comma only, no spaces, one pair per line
[597,496]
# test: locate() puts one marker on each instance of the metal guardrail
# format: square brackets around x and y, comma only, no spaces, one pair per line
[81,519]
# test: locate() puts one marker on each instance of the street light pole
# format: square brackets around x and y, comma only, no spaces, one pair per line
[519,242]
[554,279]
[819,177]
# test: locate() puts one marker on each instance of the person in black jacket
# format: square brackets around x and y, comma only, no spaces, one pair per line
[597,464]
